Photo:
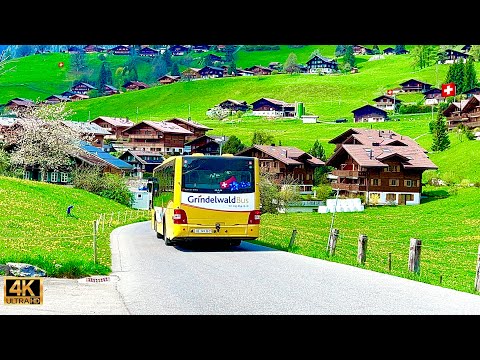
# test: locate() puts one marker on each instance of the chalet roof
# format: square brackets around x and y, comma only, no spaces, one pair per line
[91,87]
[141,154]
[97,156]
[472,90]
[79,96]
[275,101]
[192,123]
[236,102]
[323,58]
[211,67]
[192,69]
[370,107]
[110,87]
[114,121]
[215,138]
[367,137]
[21,102]
[411,157]
[59,97]
[174,77]
[260,67]
[378,98]
[414,81]
[86,127]
[285,154]
[471,103]
[136,83]
[245,71]
[163,126]
[432,91]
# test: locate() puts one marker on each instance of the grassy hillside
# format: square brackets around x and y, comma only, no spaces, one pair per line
[36,230]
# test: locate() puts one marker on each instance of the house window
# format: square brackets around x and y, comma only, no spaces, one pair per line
[408,197]
[374,196]
[375,182]
[63,177]
[391,197]
[27,175]
[54,177]
[393,182]
[409,183]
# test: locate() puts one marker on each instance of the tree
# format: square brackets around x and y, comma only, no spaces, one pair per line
[318,151]
[175,70]
[439,128]
[399,49]
[456,74]
[230,53]
[475,52]
[159,67]
[376,50]
[291,64]
[260,137]
[340,50]
[349,57]
[423,56]
[79,61]
[470,75]
[320,172]
[218,113]
[104,77]
[232,69]
[43,141]
[233,145]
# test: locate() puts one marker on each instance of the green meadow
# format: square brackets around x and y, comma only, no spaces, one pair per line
[37,230]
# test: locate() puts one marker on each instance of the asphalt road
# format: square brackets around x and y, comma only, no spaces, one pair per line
[150,278]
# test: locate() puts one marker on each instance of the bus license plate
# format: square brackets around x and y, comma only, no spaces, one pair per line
[202,231]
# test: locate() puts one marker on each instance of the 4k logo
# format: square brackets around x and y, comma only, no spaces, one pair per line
[23,290]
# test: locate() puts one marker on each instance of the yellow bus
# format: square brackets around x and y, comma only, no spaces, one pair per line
[207,197]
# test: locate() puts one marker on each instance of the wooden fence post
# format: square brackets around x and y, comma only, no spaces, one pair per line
[477,275]
[292,239]
[332,242]
[414,255]
[362,248]
[95,229]
[389,261]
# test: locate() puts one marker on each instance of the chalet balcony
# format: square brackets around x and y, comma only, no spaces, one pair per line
[351,174]
[144,136]
[348,187]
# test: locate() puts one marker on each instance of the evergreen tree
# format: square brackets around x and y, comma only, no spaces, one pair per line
[175,70]
[439,128]
[291,64]
[105,77]
[233,145]
[470,75]
[229,53]
[424,56]
[376,49]
[232,69]
[399,49]
[340,50]
[455,74]
[159,67]
[318,151]
[349,57]
[475,52]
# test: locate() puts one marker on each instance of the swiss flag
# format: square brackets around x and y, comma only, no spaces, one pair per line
[389,92]
[448,90]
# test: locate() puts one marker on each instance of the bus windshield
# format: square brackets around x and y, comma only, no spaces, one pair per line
[219,175]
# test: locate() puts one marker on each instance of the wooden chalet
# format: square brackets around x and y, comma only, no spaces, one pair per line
[67,93]
[191,74]
[97,132]
[361,50]
[379,165]
[142,161]
[113,125]
[120,50]
[178,50]
[93,49]
[234,105]
[260,70]
[55,99]
[275,65]
[168,79]
[465,112]
[388,51]
[77,97]
[369,113]
[243,72]
[160,136]
[19,103]
[148,51]
[195,128]
[466,48]
[212,58]
[413,85]
[285,161]
[135,85]
[452,56]
[110,90]
[82,88]
[433,96]
[273,108]
[321,64]
[200,48]
[472,91]
[386,102]
[205,144]
[75,50]
[211,72]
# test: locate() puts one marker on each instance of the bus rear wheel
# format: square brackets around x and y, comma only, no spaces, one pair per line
[168,242]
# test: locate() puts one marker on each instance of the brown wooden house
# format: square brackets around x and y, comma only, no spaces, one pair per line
[55,99]
[321,64]
[191,74]
[380,165]
[110,90]
[260,70]
[135,85]
[160,136]
[386,102]
[369,113]
[77,97]
[413,85]
[205,144]
[273,108]
[473,91]
[285,161]
[466,112]
[93,49]
[120,50]
[82,88]
[195,128]
[113,125]
[211,72]
[433,96]
[19,103]
[168,79]
[89,129]
[234,105]
[148,51]
[452,56]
